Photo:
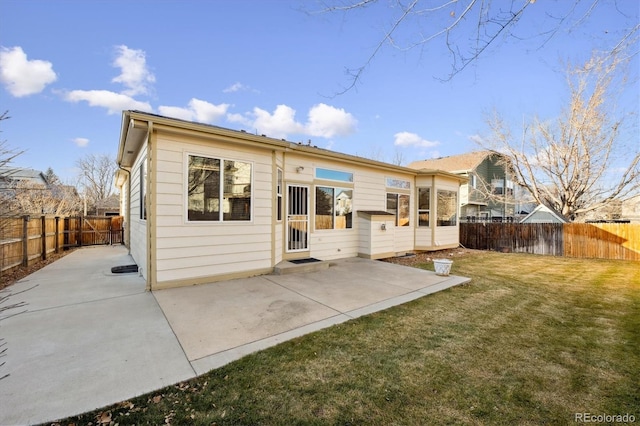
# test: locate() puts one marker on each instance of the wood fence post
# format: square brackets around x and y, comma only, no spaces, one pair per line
[25,240]
[43,233]
[57,234]
[80,231]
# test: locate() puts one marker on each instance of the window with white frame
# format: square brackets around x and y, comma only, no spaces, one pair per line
[447,208]
[143,190]
[279,196]
[330,174]
[398,205]
[424,201]
[218,189]
[333,208]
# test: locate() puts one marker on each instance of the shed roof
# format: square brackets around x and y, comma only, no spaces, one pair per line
[544,214]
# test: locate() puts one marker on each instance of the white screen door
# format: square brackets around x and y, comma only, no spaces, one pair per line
[297,218]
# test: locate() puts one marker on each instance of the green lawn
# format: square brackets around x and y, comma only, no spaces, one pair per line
[531,340]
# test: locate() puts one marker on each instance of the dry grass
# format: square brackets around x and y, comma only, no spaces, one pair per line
[532,340]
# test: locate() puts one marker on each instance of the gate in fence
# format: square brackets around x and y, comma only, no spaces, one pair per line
[93,230]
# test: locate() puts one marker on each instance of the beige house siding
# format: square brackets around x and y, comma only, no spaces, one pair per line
[138,227]
[187,250]
[376,236]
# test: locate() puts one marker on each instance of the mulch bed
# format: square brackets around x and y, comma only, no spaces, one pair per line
[428,256]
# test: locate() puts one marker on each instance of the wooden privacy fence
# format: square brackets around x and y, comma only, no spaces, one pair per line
[26,239]
[620,241]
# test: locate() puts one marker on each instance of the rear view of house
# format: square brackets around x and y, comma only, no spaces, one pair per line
[203,203]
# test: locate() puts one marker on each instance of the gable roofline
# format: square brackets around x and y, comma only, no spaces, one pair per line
[546,209]
[136,125]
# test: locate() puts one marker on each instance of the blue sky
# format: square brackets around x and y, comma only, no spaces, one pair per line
[274,67]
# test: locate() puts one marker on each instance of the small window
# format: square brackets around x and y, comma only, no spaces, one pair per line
[447,208]
[424,200]
[333,208]
[398,205]
[279,196]
[218,190]
[398,183]
[497,186]
[334,175]
[143,191]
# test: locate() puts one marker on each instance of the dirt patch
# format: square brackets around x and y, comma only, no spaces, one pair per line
[8,278]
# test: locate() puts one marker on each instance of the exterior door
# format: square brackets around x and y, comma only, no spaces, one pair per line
[297,218]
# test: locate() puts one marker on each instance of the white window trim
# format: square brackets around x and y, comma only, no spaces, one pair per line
[220,222]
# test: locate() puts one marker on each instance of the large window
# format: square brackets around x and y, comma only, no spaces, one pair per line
[333,208]
[398,205]
[424,200]
[218,190]
[447,208]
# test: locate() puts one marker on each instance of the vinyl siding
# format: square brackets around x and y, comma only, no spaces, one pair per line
[187,250]
[138,243]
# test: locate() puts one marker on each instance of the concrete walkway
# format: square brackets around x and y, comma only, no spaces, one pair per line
[91,338]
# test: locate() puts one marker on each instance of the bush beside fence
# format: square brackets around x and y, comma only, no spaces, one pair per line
[617,241]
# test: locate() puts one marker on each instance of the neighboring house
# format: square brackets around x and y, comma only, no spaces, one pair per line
[631,210]
[108,207]
[203,203]
[489,192]
[10,177]
[543,214]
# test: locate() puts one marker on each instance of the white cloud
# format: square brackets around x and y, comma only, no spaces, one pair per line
[323,121]
[235,87]
[176,112]
[239,118]
[327,121]
[206,112]
[133,71]
[277,125]
[23,77]
[114,102]
[412,139]
[81,142]
[476,139]
[198,110]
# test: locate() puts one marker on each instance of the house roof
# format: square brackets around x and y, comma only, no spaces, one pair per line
[22,174]
[454,163]
[136,125]
[544,214]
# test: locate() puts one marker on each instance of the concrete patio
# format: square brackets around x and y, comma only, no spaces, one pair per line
[91,338]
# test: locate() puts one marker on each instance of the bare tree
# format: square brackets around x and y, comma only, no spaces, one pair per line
[583,160]
[465,28]
[7,155]
[55,199]
[96,175]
